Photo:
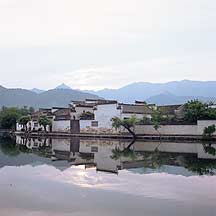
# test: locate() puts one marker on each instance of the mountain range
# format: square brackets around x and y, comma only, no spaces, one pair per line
[54,97]
[162,93]
[176,92]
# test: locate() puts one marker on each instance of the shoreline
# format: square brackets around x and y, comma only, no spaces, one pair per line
[143,137]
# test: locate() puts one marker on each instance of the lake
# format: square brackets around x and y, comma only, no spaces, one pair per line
[83,177]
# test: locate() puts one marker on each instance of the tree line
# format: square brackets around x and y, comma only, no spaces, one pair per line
[9,116]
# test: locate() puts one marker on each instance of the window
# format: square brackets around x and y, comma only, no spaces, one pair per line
[94,149]
[94,123]
[35,124]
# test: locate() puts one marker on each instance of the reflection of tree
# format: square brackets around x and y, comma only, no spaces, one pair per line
[157,159]
[24,149]
[127,153]
[200,166]
[44,149]
[208,148]
[8,147]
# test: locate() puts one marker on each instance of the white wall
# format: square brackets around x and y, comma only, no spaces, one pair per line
[105,113]
[32,123]
[61,126]
[80,110]
[204,123]
[61,145]
[139,116]
[167,129]
[85,124]
[18,127]
[175,129]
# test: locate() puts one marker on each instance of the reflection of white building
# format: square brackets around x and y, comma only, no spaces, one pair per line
[100,153]
[103,152]
[187,148]
[32,143]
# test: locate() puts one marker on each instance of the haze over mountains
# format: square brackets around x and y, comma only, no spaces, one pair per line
[162,93]
[176,92]
[54,97]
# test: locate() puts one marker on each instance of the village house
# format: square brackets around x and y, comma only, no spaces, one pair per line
[33,124]
[138,110]
[105,110]
[94,116]
[82,108]
[62,120]
[172,111]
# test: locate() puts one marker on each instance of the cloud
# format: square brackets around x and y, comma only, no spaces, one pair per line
[105,43]
[157,69]
[42,22]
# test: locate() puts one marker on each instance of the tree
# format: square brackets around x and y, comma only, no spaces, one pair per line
[9,117]
[128,124]
[157,118]
[31,110]
[24,121]
[44,121]
[195,110]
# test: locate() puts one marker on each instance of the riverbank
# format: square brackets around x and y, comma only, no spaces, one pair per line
[6,132]
[144,137]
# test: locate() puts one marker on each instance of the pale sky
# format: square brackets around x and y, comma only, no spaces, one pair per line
[96,44]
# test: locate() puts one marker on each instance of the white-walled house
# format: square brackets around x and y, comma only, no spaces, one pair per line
[62,120]
[105,110]
[33,124]
[104,113]
[82,109]
[140,111]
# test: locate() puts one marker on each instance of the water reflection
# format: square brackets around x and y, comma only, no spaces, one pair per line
[69,177]
[112,155]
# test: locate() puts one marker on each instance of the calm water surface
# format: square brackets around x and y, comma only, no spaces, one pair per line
[102,177]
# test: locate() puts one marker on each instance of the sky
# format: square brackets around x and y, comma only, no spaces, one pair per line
[105,43]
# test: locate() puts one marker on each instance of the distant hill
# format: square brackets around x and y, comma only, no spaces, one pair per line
[36,90]
[2,88]
[63,86]
[145,90]
[168,98]
[55,97]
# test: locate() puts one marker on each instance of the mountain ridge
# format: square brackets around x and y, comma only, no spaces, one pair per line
[145,90]
[174,92]
[17,97]
[171,99]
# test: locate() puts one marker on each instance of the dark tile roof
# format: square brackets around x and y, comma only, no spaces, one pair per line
[168,109]
[85,105]
[59,108]
[136,109]
[62,114]
[102,101]
[42,112]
